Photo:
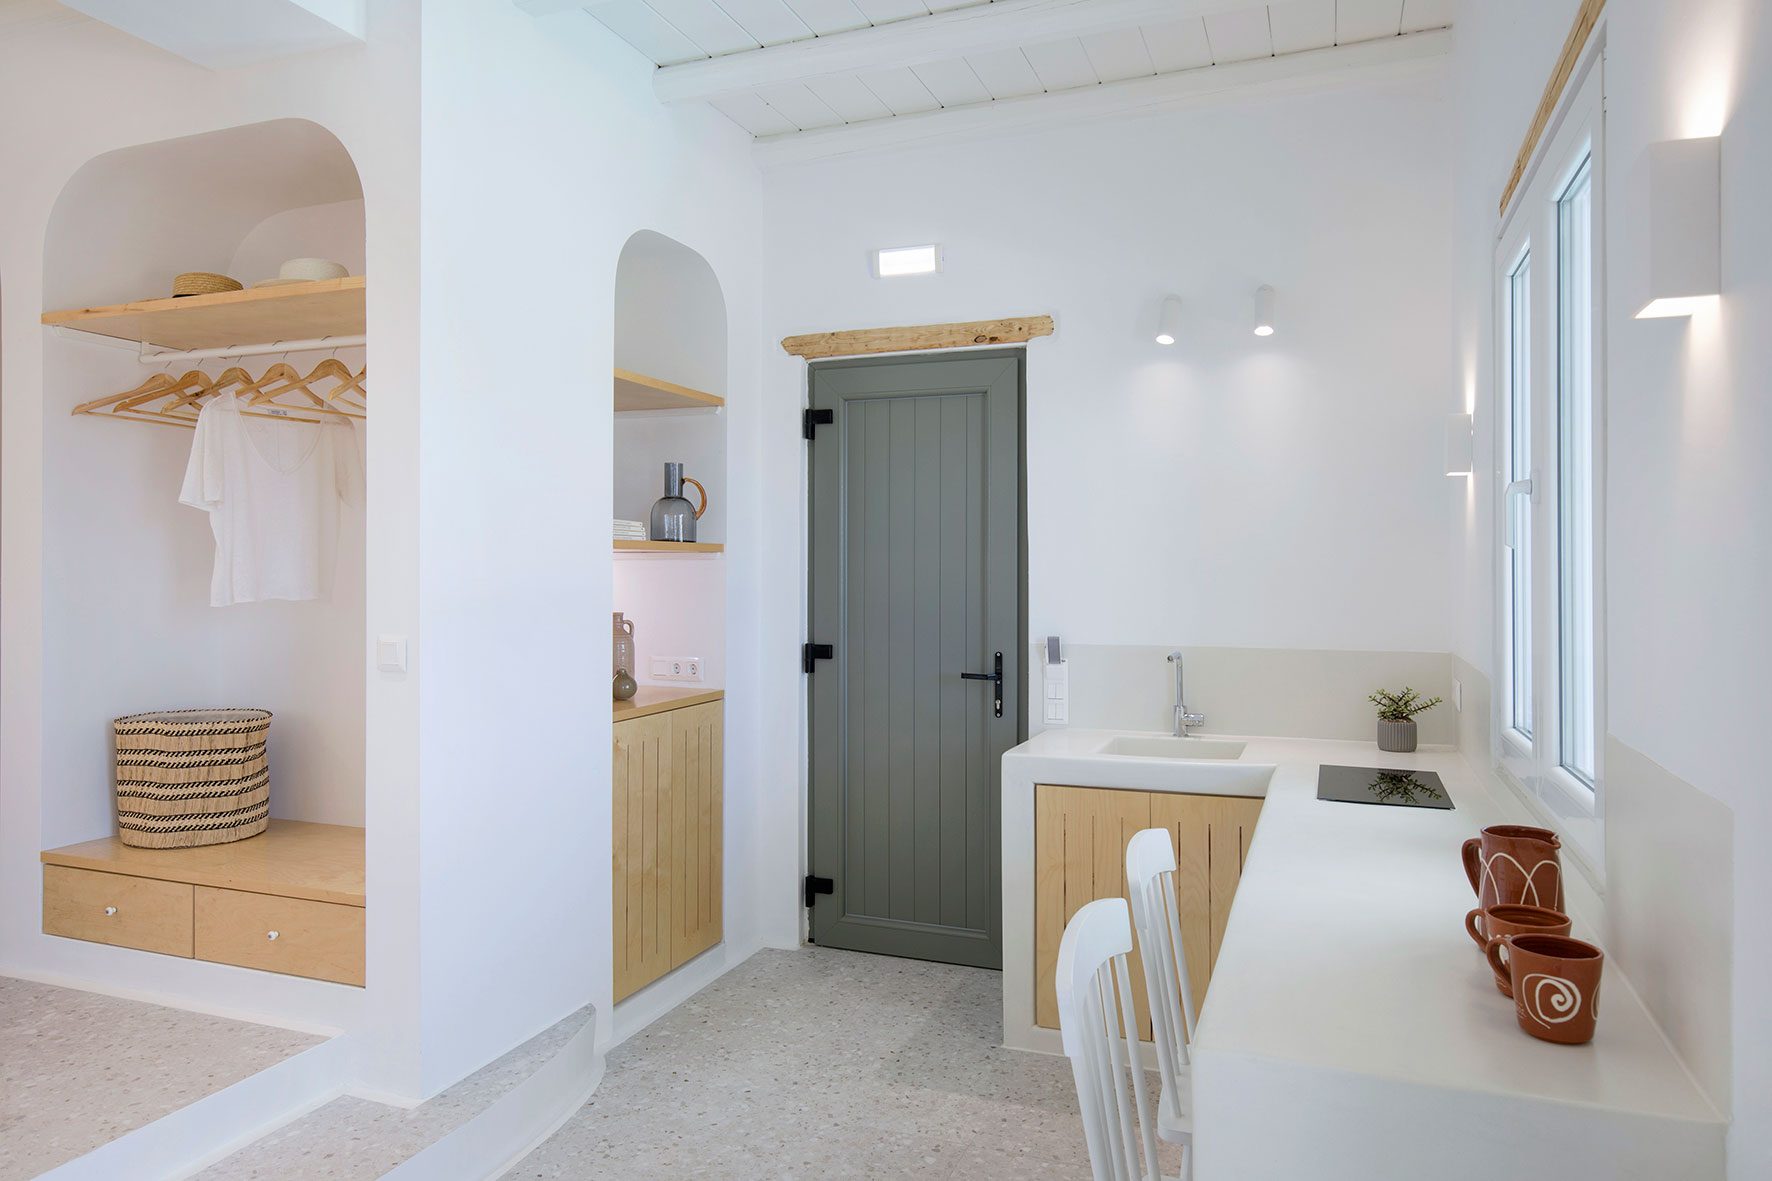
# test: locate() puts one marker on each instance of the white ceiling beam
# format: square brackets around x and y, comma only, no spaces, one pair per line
[1336,65]
[944,36]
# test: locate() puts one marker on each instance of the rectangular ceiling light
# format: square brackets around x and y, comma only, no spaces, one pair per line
[895,261]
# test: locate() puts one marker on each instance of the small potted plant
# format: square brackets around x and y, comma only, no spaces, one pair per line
[1396,717]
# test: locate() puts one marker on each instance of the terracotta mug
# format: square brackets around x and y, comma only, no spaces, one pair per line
[1515,864]
[1555,982]
[1486,926]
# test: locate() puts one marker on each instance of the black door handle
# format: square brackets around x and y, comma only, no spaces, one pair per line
[996,679]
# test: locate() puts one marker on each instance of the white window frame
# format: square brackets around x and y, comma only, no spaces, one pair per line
[1530,228]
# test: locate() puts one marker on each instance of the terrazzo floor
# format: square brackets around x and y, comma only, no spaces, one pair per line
[78,1069]
[351,1138]
[818,1064]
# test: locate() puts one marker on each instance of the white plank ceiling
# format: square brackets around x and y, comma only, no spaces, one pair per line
[674,32]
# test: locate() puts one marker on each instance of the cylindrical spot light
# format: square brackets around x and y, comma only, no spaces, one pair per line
[1169,320]
[1264,310]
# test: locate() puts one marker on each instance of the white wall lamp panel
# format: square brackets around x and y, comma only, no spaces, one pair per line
[1264,310]
[220,34]
[893,262]
[1169,320]
[1461,445]
[1679,182]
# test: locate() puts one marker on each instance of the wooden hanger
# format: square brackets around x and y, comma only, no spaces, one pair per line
[178,401]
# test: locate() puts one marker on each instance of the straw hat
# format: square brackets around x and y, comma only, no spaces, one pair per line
[203,283]
[305,270]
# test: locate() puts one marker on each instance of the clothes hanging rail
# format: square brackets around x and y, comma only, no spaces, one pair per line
[149,356]
[314,344]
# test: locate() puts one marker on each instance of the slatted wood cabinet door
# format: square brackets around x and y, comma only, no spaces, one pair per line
[667,842]
[1211,836]
[1080,837]
[697,739]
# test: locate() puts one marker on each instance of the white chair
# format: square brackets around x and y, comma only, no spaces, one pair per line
[1150,884]
[1094,997]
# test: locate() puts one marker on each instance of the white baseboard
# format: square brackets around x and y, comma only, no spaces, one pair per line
[199,1134]
[663,995]
[173,1000]
[492,1142]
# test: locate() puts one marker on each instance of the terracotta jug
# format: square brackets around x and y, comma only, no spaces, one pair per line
[1515,864]
[1556,984]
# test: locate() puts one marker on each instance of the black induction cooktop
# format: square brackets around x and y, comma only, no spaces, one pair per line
[1375,785]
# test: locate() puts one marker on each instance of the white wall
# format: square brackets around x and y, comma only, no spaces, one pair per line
[547,130]
[1688,515]
[1232,491]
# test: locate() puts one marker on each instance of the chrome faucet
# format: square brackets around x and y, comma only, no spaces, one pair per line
[1183,719]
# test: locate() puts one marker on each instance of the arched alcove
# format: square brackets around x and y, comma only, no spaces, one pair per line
[670,324]
[127,624]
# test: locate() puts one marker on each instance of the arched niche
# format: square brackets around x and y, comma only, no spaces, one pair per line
[131,219]
[670,323]
[126,620]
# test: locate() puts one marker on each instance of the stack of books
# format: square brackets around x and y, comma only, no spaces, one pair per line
[630,530]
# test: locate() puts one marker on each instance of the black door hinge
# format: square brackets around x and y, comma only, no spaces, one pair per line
[812,652]
[811,420]
[817,886]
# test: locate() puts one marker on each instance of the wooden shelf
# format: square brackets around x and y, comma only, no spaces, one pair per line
[636,391]
[669,547]
[656,699]
[294,311]
[291,859]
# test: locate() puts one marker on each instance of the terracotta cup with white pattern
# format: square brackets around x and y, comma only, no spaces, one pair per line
[1555,982]
[1515,865]
[1486,926]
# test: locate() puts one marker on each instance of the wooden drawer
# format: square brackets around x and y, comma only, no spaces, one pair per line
[113,908]
[294,936]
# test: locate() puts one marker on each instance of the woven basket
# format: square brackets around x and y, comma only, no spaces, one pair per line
[192,777]
[203,283]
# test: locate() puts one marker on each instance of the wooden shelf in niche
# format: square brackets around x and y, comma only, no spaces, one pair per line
[636,391]
[669,547]
[293,311]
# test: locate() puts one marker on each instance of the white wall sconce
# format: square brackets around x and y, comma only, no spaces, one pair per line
[895,262]
[1461,445]
[1682,223]
[1264,310]
[1169,320]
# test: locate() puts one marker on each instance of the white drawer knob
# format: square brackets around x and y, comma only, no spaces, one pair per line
[110,910]
[270,934]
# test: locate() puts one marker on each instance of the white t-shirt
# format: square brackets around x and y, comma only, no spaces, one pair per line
[272,491]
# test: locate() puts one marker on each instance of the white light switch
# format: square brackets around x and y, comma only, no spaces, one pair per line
[1056,679]
[390,653]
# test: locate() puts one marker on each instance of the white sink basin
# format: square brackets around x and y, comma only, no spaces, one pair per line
[1158,746]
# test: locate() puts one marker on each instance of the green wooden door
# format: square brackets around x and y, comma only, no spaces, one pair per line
[915,579]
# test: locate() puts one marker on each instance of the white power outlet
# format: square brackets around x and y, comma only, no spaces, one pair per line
[676,668]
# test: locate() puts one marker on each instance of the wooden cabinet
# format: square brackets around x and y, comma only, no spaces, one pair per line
[289,900]
[1080,836]
[667,841]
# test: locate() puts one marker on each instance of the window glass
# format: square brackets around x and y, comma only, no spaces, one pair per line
[1575,498]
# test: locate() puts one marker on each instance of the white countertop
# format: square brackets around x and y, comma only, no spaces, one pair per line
[1345,962]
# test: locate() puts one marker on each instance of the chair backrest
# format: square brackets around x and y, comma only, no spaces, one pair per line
[1150,884]
[1094,996]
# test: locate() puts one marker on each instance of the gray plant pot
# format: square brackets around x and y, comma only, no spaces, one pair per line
[1396,736]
